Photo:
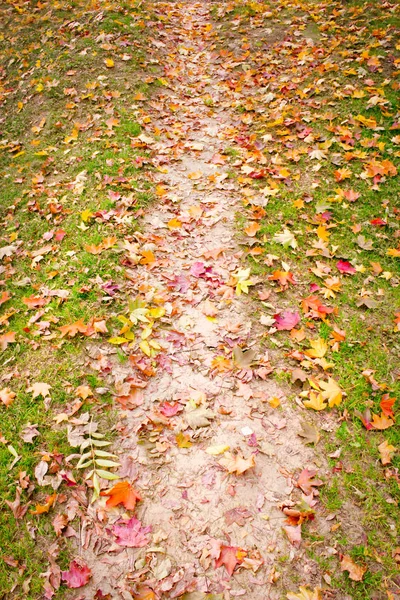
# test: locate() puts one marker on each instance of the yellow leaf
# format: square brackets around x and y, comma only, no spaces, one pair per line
[109,63]
[183,440]
[274,402]
[86,215]
[215,450]
[318,348]
[145,348]
[316,402]
[174,224]
[331,392]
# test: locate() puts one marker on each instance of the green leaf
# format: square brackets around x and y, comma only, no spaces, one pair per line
[106,463]
[98,436]
[100,443]
[107,475]
[84,465]
[84,445]
[103,453]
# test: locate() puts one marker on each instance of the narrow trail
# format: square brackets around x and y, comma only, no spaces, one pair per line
[199,513]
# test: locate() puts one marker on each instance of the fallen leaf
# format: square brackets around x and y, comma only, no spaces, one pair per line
[381,421]
[386,451]
[305,594]
[307,481]
[230,556]
[78,574]
[309,432]
[331,392]
[44,508]
[243,359]
[122,493]
[130,533]
[316,401]
[7,396]
[356,572]
[318,349]
[294,535]
[39,389]
[235,463]
[286,320]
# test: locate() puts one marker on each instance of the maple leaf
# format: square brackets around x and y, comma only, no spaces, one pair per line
[345,267]
[183,440]
[294,535]
[316,401]
[331,392]
[307,481]
[7,396]
[381,421]
[286,238]
[35,302]
[284,278]
[130,533]
[78,574]
[387,404]
[83,391]
[386,451]
[286,320]
[305,594]
[40,389]
[74,328]
[318,348]
[59,523]
[122,493]
[252,229]
[230,556]
[235,463]
[7,338]
[309,433]
[242,281]
[44,508]
[4,297]
[356,572]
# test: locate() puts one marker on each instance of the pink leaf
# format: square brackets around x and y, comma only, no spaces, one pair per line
[170,409]
[197,269]
[287,320]
[345,267]
[131,534]
[78,574]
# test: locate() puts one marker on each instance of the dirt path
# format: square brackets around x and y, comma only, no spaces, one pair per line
[199,513]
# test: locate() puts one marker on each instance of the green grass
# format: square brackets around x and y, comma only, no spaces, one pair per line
[357,478]
[43,91]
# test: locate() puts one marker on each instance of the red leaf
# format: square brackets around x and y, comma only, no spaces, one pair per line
[131,534]
[230,556]
[78,574]
[345,267]
[286,320]
[387,405]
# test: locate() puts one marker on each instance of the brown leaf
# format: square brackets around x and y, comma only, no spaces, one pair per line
[386,451]
[235,463]
[306,481]
[7,396]
[356,572]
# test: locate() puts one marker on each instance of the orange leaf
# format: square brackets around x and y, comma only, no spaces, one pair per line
[386,451]
[73,329]
[35,302]
[4,297]
[44,508]
[356,573]
[387,405]
[252,228]
[7,396]
[7,338]
[381,421]
[122,493]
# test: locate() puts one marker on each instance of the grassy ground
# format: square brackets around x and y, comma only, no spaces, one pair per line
[71,97]
[320,143]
